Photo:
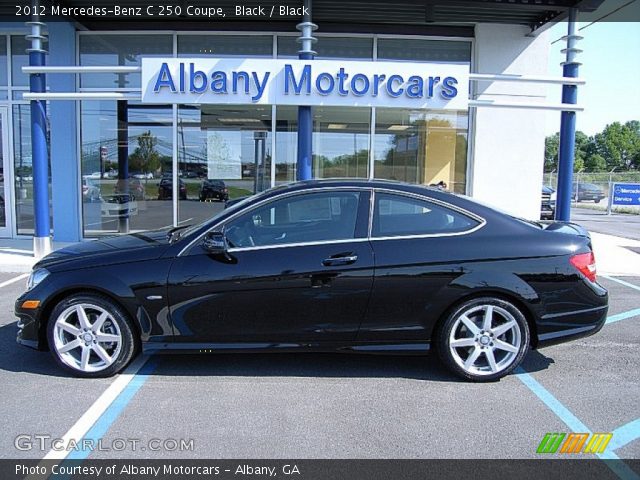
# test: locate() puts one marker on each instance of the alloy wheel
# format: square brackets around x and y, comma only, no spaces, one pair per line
[87,338]
[485,340]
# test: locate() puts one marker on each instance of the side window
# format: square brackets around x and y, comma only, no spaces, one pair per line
[310,217]
[397,215]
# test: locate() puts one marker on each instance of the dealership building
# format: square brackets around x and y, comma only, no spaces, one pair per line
[144,116]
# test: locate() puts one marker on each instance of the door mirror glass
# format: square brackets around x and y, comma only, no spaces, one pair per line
[215,243]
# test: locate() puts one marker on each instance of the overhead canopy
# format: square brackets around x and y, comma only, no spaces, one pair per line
[402,16]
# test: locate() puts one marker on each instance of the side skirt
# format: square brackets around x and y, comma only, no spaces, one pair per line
[371,348]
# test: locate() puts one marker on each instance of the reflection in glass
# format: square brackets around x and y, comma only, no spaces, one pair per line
[23,170]
[340,142]
[3,215]
[422,147]
[424,50]
[224,152]
[4,80]
[124,50]
[19,59]
[246,46]
[126,156]
[329,47]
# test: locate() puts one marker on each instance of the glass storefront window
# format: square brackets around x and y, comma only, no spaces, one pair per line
[245,46]
[422,147]
[224,151]
[4,79]
[424,50]
[23,170]
[126,160]
[19,59]
[329,47]
[340,142]
[124,50]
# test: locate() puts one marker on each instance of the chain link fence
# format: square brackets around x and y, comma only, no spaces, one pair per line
[591,190]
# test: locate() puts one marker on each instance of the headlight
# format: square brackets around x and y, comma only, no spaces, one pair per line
[36,277]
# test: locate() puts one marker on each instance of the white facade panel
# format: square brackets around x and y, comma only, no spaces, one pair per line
[508,143]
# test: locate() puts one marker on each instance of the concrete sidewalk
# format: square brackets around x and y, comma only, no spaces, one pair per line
[16,254]
[616,256]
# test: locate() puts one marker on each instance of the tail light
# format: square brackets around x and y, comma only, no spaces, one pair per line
[585,263]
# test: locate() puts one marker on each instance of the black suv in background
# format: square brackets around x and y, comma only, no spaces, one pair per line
[215,189]
[548,204]
[165,188]
[587,191]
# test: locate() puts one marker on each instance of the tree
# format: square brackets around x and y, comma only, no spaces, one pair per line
[595,163]
[551,148]
[145,158]
[619,145]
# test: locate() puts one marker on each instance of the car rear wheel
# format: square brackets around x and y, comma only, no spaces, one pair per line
[484,339]
[90,336]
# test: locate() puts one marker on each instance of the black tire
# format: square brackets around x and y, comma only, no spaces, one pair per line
[126,350]
[597,200]
[502,310]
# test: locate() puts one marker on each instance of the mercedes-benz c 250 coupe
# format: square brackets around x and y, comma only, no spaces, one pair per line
[326,265]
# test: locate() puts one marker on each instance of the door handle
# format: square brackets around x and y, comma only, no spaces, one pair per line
[341,260]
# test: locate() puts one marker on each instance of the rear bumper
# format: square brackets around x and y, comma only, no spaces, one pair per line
[565,327]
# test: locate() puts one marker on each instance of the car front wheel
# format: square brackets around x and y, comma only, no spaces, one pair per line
[90,336]
[484,339]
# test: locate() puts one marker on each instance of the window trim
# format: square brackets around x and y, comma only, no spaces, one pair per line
[481,221]
[369,238]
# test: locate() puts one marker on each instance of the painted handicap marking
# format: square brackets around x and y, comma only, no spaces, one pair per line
[621,469]
[625,434]
[621,282]
[622,316]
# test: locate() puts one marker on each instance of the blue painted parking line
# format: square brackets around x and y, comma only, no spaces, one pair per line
[622,282]
[623,316]
[620,468]
[112,413]
[625,434]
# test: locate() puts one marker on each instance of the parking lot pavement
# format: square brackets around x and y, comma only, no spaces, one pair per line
[619,224]
[336,406]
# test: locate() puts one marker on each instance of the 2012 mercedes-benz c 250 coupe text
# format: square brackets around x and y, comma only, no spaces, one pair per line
[327,265]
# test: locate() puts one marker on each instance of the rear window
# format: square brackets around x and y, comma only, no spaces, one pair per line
[398,215]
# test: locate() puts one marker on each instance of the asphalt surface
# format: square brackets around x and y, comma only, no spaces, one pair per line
[619,224]
[331,405]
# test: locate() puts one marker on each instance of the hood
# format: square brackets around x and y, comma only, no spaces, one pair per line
[108,250]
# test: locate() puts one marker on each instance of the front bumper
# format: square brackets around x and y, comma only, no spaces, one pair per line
[28,324]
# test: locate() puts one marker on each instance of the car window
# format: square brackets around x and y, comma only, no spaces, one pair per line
[397,215]
[310,217]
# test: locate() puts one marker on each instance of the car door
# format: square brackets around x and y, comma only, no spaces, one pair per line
[298,268]
[420,246]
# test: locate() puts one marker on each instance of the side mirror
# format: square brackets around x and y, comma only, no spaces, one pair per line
[215,243]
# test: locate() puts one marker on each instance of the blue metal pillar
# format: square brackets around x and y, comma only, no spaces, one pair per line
[64,164]
[305,115]
[40,156]
[567,125]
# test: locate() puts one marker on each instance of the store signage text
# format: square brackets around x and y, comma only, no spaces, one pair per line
[303,82]
[626,194]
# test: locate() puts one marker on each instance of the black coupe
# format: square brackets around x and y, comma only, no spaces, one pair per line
[329,265]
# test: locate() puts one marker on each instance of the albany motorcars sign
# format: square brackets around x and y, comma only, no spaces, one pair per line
[302,82]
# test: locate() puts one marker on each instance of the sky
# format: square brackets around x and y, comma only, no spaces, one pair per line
[610,65]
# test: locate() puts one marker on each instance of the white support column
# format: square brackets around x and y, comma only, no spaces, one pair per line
[508,154]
